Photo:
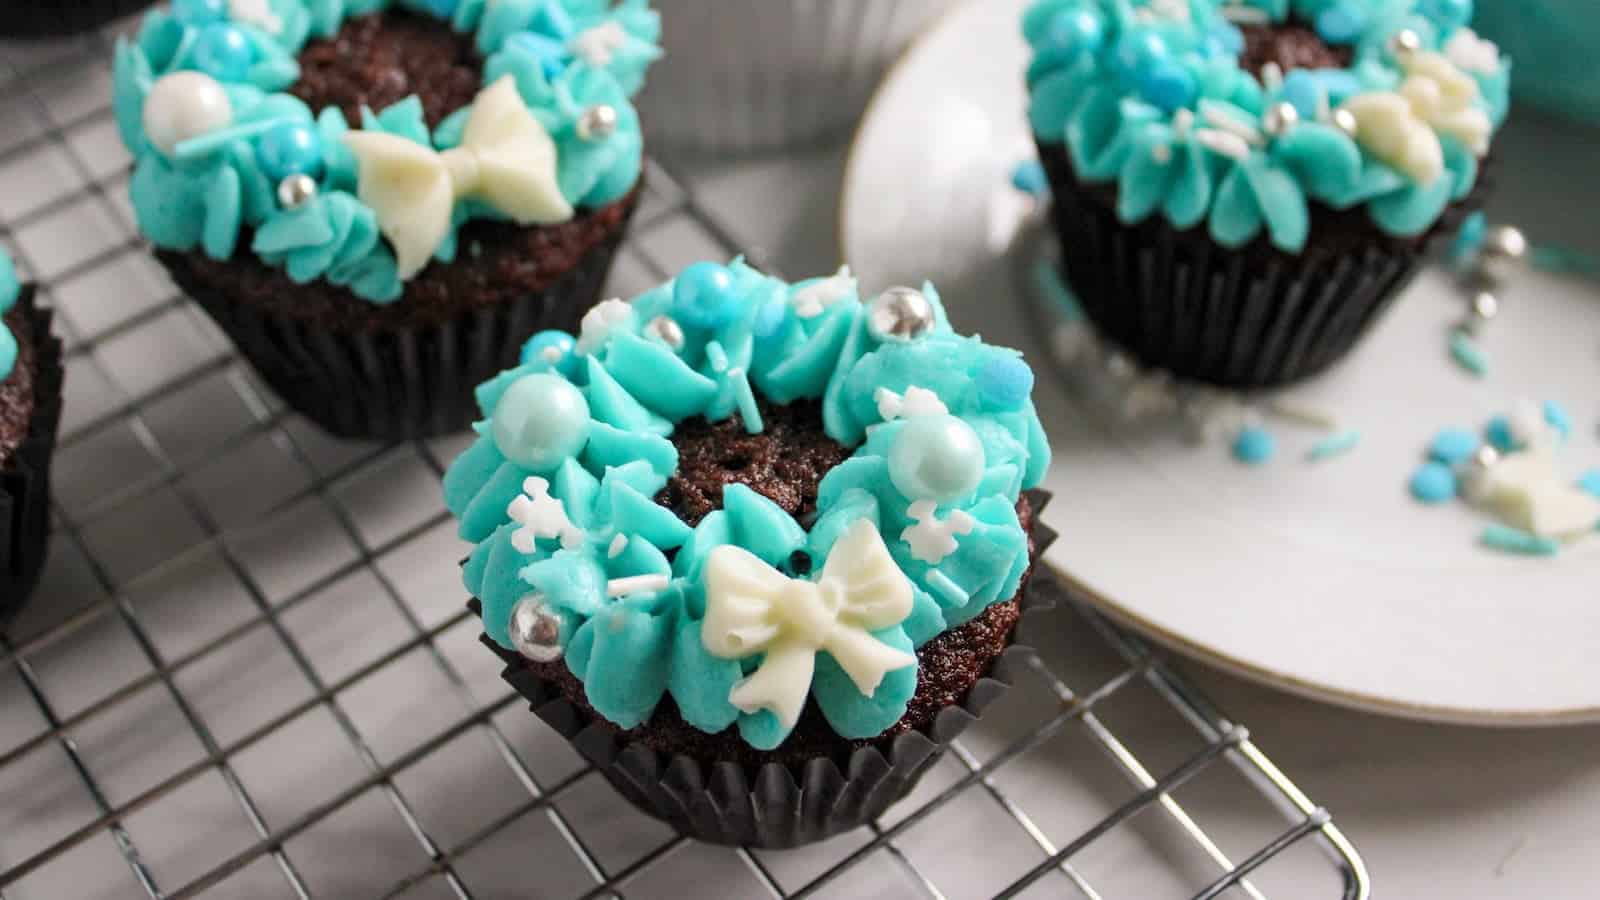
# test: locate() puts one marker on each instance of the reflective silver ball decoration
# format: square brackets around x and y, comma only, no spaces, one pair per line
[666,330]
[899,314]
[1405,42]
[1504,248]
[598,122]
[1345,121]
[1486,458]
[536,629]
[296,191]
[1485,306]
[1280,119]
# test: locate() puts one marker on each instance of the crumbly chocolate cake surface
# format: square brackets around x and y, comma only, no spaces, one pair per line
[16,391]
[1292,45]
[947,666]
[375,61]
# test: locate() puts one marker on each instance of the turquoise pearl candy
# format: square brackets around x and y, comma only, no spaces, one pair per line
[1074,31]
[1004,383]
[704,297]
[540,421]
[1498,431]
[555,348]
[1254,446]
[223,52]
[1167,85]
[199,12]
[1434,483]
[936,458]
[1137,49]
[1453,446]
[290,149]
[769,319]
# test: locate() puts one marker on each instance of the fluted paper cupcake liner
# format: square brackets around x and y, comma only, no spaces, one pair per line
[397,383]
[760,75]
[25,482]
[776,805]
[1251,317]
[59,18]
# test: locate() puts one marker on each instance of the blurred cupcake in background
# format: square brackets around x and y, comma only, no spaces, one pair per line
[761,75]
[1554,43]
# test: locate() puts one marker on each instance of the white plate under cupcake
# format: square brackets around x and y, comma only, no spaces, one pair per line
[1326,579]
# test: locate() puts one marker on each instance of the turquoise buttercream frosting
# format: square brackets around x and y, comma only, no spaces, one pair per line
[1149,94]
[566,57]
[758,335]
[10,289]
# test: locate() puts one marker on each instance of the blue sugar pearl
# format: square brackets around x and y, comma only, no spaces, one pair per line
[1434,483]
[1167,85]
[540,421]
[1074,31]
[199,12]
[1254,446]
[1342,23]
[1029,178]
[1591,482]
[1137,49]
[1453,446]
[770,318]
[1469,239]
[1558,418]
[290,149]
[1499,434]
[551,53]
[223,52]
[704,297]
[937,458]
[1004,383]
[553,348]
[1305,92]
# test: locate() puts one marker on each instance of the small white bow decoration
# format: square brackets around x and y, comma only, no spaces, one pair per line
[753,608]
[506,159]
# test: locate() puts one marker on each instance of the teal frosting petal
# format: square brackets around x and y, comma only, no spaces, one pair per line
[1236,217]
[854,715]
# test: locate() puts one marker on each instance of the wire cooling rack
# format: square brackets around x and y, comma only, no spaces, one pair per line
[249,671]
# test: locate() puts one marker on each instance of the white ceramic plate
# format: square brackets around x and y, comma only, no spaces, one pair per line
[1326,579]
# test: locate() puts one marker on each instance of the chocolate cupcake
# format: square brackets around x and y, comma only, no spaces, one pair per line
[757,550]
[1241,190]
[378,204]
[30,411]
[59,18]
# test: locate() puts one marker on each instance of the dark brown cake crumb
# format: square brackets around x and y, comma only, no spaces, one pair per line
[16,392]
[1292,45]
[379,60]
[784,463]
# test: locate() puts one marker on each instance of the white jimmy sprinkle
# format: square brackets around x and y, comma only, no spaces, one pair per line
[637,584]
[618,544]
[1220,118]
[256,12]
[1223,143]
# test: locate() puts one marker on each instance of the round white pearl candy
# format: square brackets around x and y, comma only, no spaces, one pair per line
[182,106]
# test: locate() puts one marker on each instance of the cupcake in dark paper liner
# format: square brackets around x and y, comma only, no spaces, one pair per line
[379,202]
[1241,190]
[61,18]
[758,550]
[30,413]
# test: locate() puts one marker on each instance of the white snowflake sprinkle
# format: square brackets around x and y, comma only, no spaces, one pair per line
[598,44]
[599,323]
[1471,53]
[932,538]
[541,516]
[815,298]
[916,402]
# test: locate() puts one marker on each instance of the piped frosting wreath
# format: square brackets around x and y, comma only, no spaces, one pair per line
[745,615]
[222,148]
[1240,115]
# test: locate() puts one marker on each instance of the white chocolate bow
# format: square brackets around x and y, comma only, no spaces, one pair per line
[506,159]
[1402,128]
[753,608]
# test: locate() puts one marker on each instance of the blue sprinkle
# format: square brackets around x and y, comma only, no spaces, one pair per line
[1334,445]
[1467,354]
[1434,483]
[1513,540]
[1342,23]
[1469,239]
[1167,85]
[1029,178]
[1591,481]
[943,585]
[1453,446]
[1254,446]
[1559,418]
[1004,383]
[749,411]
[1306,92]
[1498,432]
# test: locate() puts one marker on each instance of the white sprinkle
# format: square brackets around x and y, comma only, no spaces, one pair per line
[813,299]
[597,44]
[1183,122]
[1303,414]
[1161,153]
[1271,76]
[1220,117]
[637,584]
[1223,143]
[618,544]
[1246,15]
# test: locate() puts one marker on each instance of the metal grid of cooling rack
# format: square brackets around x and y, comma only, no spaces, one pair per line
[249,671]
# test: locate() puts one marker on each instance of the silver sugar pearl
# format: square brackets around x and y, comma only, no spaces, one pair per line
[1504,248]
[1345,121]
[536,629]
[1280,119]
[666,330]
[598,122]
[1405,42]
[1485,306]
[1486,458]
[899,314]
[296,191]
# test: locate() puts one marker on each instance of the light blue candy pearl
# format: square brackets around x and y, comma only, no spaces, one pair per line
[290,149]
[1004,383]
[1074,31]
[1306,92]
[1167,85]
[936,458]
[704,297]
[1342,23]
[199,12]
[539,347]
[1434,483]
[770,318]
[1254,446]
[1499,434]
[540,421]
[223,52]
[1453,446]
[1138,48]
